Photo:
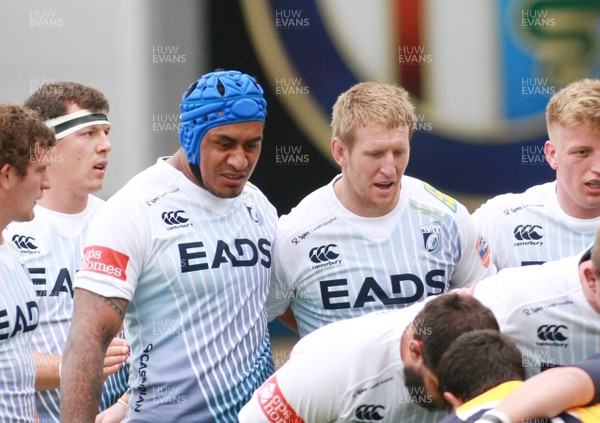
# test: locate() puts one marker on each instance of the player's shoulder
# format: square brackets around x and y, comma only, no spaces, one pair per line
[534,282]
[510,202]
[317,206]
[147,186]
[426,194]
[357,334]
[33,229]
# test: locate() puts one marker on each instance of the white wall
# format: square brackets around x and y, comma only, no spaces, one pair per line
[142,54]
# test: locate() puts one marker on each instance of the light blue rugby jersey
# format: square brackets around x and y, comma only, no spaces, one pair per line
[330,264]
[544,310]
[18,320]
[531,227]
[196,270]
[52,245]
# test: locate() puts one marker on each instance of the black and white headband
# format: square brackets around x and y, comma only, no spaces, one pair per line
[69,124]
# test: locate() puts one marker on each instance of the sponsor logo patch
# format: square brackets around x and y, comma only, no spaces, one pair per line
[483,250]
[274,405]
[105,261]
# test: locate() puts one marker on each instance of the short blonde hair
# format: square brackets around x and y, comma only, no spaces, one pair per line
[368,103]
[577,104]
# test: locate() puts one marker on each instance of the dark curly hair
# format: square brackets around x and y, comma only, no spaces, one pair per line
[22,134]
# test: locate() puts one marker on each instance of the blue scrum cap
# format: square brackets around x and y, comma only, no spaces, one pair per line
[218,98]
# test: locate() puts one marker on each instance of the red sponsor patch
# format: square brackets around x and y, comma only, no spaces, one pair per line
[105,261]
[274,405]
[483,250]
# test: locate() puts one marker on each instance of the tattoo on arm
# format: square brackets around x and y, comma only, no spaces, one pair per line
[117,304]
[96,320]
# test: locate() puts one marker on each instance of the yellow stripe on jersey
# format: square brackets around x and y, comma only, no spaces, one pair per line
[589,414]
[488,398]
[444,198]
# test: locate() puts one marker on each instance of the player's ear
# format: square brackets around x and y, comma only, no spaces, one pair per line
[337,149]
[550,153]
[415,351]
[5,175]
[590,276]
[454,401]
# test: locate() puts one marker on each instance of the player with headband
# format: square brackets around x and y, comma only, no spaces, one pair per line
[182,253]
[70,123]
[52,243]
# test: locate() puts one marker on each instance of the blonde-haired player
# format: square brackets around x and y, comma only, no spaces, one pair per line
[556,219]
[373,238]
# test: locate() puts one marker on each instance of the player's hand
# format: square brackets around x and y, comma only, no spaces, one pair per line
[113,414]
[116,355]
[468,291]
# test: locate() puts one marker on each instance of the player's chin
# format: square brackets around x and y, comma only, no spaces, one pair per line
[228,191]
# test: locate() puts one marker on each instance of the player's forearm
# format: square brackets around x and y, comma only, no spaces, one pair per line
[47,375]
[545,395]
[95,322]
[81,382]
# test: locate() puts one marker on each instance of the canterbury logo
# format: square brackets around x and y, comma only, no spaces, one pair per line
[24,242]
[174,217]
[551,333]
[323,253]
[528,232]
[369,412]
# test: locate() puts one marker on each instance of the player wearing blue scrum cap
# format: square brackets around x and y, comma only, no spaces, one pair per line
[216,99]
[183,254]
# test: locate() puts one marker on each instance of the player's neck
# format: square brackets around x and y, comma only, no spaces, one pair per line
[179,161]
[574,210]
[356,205]
[63,201]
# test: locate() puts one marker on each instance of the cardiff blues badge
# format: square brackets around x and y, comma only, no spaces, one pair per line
[432,238]
[254,213]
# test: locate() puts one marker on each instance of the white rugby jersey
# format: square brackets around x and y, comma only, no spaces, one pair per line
[543,309]
[195,270]
[52,245]
[330,264]
[348,371]
[19,315]
[531,228]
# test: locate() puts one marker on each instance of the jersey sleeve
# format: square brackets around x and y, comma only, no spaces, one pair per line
[113,252]
[592,367]
[481,219]
[296,392]
[281,289]
[476,262]
[269,405]
[498,293]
